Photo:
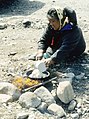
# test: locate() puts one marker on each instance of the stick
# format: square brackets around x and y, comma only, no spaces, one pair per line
[40,84]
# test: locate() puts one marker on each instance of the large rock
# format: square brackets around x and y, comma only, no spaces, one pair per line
[45,95]
[56,110]
[29,99]
[65,92]
[9,89]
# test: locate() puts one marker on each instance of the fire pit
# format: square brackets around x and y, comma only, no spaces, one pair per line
[25,83]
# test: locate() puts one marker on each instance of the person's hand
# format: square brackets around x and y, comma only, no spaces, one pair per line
[48,61]
[39,55]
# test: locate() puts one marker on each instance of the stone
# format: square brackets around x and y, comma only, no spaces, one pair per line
[84,110]
[3,26]
[12,53]
[22,115]
[9,89]
[79,105]
[29,99]
[79,102]
[79,111]
[36,114]
[80,76]
[31,116]
[68,77]
[75,116]
[56,110]
[42,107]
[72,105]
[4,98]
[53,92]
[45,95]
[65,92]
[26,23]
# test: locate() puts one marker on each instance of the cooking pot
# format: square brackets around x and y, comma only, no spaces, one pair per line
[46,73]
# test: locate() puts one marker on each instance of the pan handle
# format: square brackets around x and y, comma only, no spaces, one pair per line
[40,84]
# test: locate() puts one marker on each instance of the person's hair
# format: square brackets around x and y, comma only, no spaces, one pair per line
[52,13]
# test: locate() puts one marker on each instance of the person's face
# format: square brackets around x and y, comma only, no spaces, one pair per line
[54,23]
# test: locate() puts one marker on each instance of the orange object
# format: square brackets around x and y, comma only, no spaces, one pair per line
[22,83]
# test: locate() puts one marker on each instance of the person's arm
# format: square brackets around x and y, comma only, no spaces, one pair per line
[46,38]
[44,42]
[39,54]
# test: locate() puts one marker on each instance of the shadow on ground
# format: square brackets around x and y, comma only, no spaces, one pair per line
[19,7]
[78,66]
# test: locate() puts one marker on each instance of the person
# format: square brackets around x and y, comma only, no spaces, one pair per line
[62,38]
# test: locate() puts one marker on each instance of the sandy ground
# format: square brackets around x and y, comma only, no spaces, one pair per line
[22,42]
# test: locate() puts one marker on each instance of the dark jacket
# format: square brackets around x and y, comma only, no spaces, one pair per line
[66,42]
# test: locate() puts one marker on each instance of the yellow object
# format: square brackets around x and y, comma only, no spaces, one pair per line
[22,83]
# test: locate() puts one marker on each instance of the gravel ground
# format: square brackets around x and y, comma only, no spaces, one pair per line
[18,42]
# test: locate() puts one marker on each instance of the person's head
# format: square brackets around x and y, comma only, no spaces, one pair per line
[55,17]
